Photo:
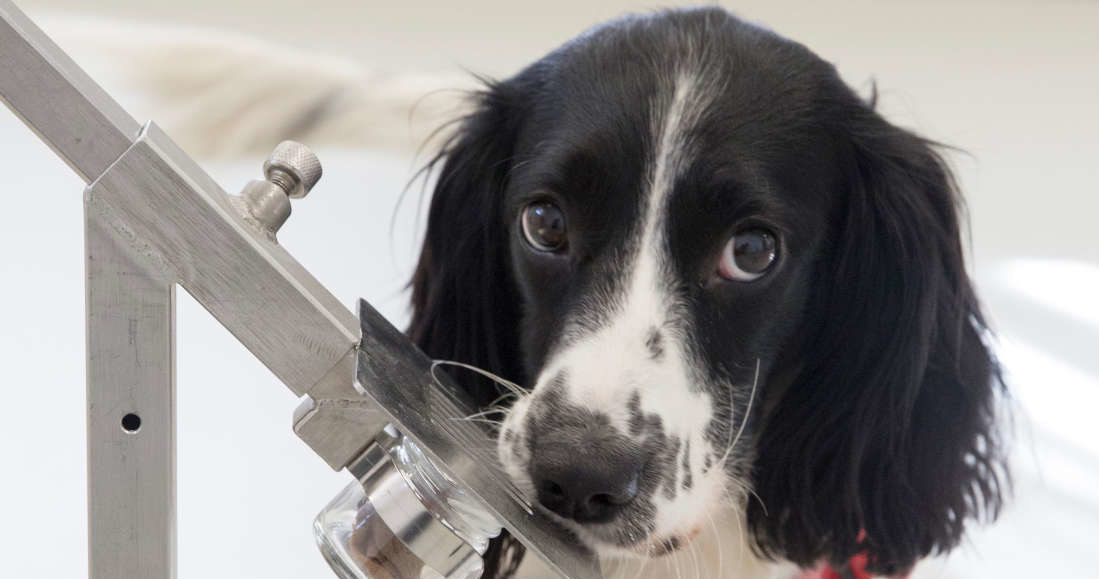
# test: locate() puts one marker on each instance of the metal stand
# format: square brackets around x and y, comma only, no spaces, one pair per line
[131,412]
[154,220]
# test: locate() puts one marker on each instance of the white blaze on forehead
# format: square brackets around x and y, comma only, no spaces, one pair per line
[670,129]
[605,367]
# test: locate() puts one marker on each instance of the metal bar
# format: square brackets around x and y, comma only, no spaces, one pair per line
[179,219]
[131,411]
[185,227]
[58,100]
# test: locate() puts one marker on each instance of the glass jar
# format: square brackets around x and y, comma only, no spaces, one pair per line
[403,518]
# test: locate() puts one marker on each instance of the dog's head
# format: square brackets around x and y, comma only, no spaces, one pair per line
[720,272]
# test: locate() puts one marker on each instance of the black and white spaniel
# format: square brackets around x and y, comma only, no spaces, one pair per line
[737,297]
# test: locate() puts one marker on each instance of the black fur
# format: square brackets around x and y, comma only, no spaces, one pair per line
[877,427]
[889,426]
[464,304]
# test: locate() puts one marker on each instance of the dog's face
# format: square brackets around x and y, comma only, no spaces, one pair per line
[662,222]
[718,271]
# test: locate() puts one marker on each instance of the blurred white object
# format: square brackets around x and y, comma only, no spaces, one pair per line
[221,94]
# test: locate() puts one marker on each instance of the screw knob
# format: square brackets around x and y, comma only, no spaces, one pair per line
[293,167]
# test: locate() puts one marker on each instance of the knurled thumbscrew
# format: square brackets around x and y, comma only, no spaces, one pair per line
[291,171]
[293,167]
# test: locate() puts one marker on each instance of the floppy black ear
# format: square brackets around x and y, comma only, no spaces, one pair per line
[885,442]
[464,303]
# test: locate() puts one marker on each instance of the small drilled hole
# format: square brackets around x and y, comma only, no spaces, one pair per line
[131,423]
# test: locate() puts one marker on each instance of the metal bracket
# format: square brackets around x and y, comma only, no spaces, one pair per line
[166,212]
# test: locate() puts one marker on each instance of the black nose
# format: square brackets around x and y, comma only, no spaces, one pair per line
[587,486]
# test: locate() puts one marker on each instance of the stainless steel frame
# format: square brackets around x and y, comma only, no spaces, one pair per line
[154,220]
[131,411]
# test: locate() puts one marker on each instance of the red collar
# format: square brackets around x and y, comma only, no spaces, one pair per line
[854,569]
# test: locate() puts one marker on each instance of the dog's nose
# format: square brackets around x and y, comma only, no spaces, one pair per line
[587,487]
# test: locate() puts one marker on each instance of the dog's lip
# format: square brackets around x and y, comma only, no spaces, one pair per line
[671,543]
[648,547]
[662,547]
[643,546]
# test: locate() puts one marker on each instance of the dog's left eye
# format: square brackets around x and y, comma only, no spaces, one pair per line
[544,226]
[748,255]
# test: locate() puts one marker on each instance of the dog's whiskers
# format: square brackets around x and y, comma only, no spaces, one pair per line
[495,423]
[695,558]
[673,563]
[762,505]
[746,492]
[720,547]
[451,404]
[486,412]
[501,398]
[740,529]
[744,420]
[641,569]
[512,386]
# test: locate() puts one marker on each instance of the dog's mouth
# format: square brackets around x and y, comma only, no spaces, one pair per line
[640,547]
[650,548]
[670,544]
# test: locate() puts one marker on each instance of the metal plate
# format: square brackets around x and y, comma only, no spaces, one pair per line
[396,376]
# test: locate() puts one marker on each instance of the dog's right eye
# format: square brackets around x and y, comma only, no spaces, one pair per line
[748,255]
[544,226]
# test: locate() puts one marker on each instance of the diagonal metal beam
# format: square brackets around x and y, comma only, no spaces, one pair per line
[58,100]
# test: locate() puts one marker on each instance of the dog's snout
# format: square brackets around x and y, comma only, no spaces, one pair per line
[586,486]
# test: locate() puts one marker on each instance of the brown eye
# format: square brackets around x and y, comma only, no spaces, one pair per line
[544,226]
[748,255]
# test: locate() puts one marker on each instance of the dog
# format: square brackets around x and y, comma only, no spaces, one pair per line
[736,295]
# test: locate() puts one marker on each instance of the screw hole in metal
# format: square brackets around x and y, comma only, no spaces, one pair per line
[131,423]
